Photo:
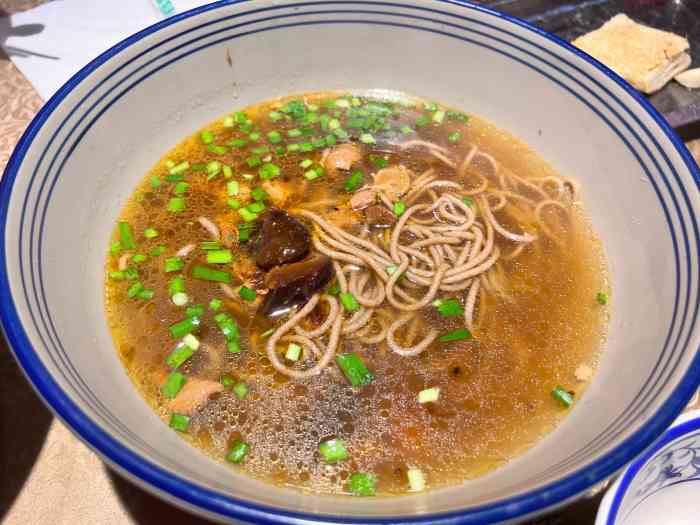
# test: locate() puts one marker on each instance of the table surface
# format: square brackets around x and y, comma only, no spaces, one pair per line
[49,477]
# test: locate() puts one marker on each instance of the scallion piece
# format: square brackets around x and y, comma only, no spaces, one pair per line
[390,270]
[173,264]
[253,162]
[227,381]
[238,452]
[247,294]
[131,273]
[293,133]
[117,275]
[274,137]
[179,355]
[213,167]
[228,172]
[150,233]
[115,247]
[456,115]
[306,163]
[234,203]
[406,130]
[173,384]
[259,194]
[228,326]
[179,422]
[177,177]
[237,143]
[126,236]
[255,207]
[184,327]
[229,122]
[180,188]
[429,395]
[269,171]
[334,288]
[449,308]
[399,208]
[234,346]
[422,121]
[293,352]
[241,390]
[354,369]
[176,204]
[177,285]
[468,201]
[601,298]
[216,150]
[275,116]
[215,304]
[333,450]
[416,479]
[240,117]
[209,274]
[260,150]
[135,289]
[354,181]
[219,256]
[157,251]
[438,117]
[349,302]
[362,484]
[331,140]
[146,294]
[244,231]
[563,396]
[138,258]
[456,335]
[179,168]
[454,137]
[247,215]
[313,174]
[155,181]
[207,137]
[210,245]
[367,138]
[196,310]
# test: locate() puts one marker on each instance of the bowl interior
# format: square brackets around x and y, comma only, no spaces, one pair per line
[105,129]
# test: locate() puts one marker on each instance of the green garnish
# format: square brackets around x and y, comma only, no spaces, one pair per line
[468,201]
[399,208]
[293,352]
[115,247]
[422,121]
[378,162]
[209,274]
[207,137]
[173,384]
[176,204]
[247,294]
[216,150]
[196,310]
[228,326]
[563,396]
[126,236]
[157,251]
[454,137]
[177,285]
[456,335]
[456,115]
[241,390]
[150,233]
[361,484]
[259,194]
[602,298]
[429,395]
[184,327]
[179,168]
[180,188]
[449,308]
[333,450]
[135,289]
[367,138]
[354,369]
[155,181]
[219,256]
[179,422]
[238,452]
[438,117]
[349,302]
[334,288]
[215,304]
[173,264]
[210,245]
[247,215]
[269,171]
[139,258]
[227,381]
[179,355]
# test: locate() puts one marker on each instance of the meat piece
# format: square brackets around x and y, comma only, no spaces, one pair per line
[293,284]
[394,181]
[281,239]
[194,394]
[342,157]
[363,198]
[278,191]
[379,216]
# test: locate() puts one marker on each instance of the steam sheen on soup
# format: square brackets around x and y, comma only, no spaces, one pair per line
[359,295]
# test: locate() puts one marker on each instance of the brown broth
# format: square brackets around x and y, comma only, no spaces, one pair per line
[496,388]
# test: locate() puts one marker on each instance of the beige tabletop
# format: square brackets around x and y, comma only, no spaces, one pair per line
[47,476]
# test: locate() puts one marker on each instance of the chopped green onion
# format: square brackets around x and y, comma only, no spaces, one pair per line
[367,138]
[313,174]
[331,140]
[240,117]
[247,294]
[228,326]
[233,347]
[219,256]
[234,203]
[602,298]
[248,176]
[146,294]
[416,479]
[267,333]
[229,122]
[228,172]
[269,171]
[456,115]
[333,450]
[117,275]
[468,201]
[430,106]
[274,137]
[173,264]
[241,390]
[180,299]
[210,245]
[178,177]
[454,137]
[184,327]
[362,484]
[564,397]
[215,304]
[391,269]
[150,233]
[213,167]
[237,143]
[247,215]
[155,181]
[207,137]
[255,207]
[131,273]
[260,150]
[438,117]
[179,422]
[176,204]
[198,167]
[449,308]
[115,247]
[349,302]
[196,310]
[238,452]
[354,181]
[254,162]
[244,231]
[227,381]
[334,288]
[456,335]
[399,208]
[177,285]
[135,289]
[293,147]
[275,116]
[179,168]
[157,251]
[259,194]
[406,130]
[378,162]
[354,369]
[216,150]
[126,236]
[180,188]
[306,163]
[422,121]
[429,395]
[209,274]
[173,384]
[139,258]
[293,352]
[178,356]
[294,133]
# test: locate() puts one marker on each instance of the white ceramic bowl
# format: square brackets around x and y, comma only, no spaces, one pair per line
[92,142]
[663,484]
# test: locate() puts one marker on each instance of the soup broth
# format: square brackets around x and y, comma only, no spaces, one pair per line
[347,294]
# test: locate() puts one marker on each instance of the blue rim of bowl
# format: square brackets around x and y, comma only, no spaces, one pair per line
[194,496]
[669,436]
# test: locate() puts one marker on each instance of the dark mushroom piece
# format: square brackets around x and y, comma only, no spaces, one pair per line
[294,284]
[281,239]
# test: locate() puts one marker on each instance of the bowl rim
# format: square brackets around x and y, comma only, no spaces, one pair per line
[193,496]
[609,507]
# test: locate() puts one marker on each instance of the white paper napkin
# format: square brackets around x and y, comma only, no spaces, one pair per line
[53,41]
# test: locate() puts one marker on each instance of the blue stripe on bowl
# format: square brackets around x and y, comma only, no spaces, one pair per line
[218,503]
